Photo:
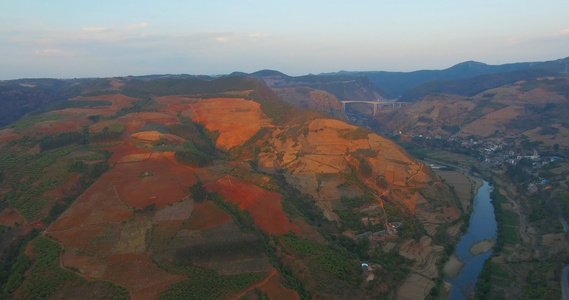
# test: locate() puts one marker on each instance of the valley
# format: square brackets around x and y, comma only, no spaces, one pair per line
[256,186]
[512,135]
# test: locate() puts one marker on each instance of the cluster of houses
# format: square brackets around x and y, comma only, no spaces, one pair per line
[501,153]
[493,152]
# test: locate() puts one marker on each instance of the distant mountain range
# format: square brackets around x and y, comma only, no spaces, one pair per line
[396,84]
[18,97]
[344,87]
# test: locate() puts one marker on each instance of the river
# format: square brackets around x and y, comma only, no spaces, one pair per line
[482,226]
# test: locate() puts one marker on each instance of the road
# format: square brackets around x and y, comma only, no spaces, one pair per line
[564,284]
[565,226]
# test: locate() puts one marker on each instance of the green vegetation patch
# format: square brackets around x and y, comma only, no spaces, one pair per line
[510,218]
[31,120]
[196,133]
[45,273]
[510,235]
[338,265]
[193,158]
[301,247]
[154,127]
[542,282]
[242,218]
[61,140]
[364,152]
[356,202]
[46,278]
[29,176]
[394,267]
[143,105]
[108,134]
[199,150]
[28,184]
[354,134]
[76,103]
[492,275]
[331,268]
[208,284]
[14,264]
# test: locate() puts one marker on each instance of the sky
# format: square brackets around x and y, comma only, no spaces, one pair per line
[71,39]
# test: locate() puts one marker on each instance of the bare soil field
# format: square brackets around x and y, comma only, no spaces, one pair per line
[206,215]
[63,190]
[177,212]
[126,153]
[415,287]
[453,266]
[264,206]
[77,237]
[9,217]
[177,103]
[493,121]
[118,102]
[69,123]
[8,134]
[420,282]
[99,126]
[154,117]
[237,120]
[153,136]
[131,124]
[552,238]
[561,137]
[272,287]
[166,183]
[463,185]
[98,205]
[139,274]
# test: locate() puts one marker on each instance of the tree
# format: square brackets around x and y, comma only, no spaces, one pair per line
[198,192]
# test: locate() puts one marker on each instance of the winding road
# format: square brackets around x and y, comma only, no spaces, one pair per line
[564,287]
[565,273]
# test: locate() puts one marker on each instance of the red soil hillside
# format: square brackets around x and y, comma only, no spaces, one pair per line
[264,206]
[237,120]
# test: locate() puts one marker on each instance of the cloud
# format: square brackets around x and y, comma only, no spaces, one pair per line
[95,29]
[52,52]
[136,26]
[222,39]
[258,35]
[512,40]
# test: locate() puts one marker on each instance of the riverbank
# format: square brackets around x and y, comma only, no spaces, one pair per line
[474,246]
[453,266]
[465,186]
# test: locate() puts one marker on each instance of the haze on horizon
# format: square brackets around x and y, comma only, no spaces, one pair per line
[68,39]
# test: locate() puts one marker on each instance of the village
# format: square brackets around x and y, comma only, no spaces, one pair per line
[499,153]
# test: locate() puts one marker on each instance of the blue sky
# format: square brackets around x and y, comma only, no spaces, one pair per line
[67,39]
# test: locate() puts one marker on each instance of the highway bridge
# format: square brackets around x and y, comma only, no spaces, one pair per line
[376,104]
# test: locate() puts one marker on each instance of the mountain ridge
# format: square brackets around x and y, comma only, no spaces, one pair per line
[395,84]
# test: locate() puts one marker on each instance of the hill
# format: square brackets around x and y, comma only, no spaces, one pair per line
[535,108]
[515,133]
[175,188]
[396,84]
[343,87]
